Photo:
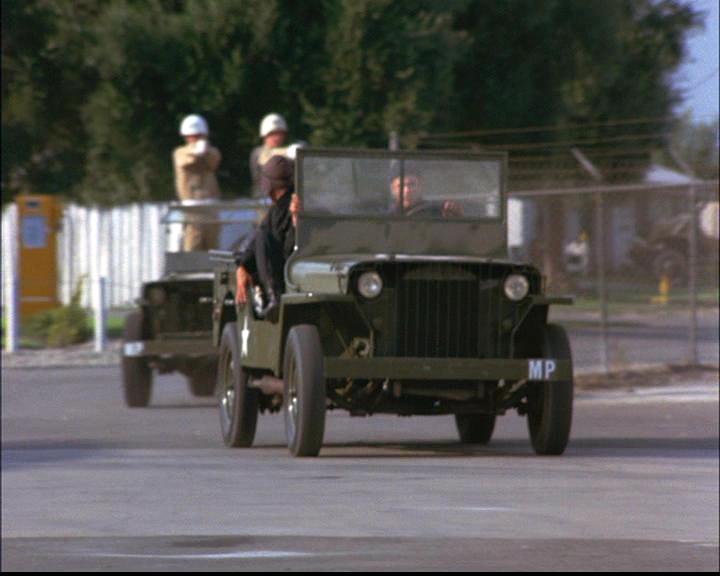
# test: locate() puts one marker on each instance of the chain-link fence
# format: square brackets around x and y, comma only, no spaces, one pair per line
[642,261]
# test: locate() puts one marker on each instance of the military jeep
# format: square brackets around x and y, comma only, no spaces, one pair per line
[171,330]
[400,299]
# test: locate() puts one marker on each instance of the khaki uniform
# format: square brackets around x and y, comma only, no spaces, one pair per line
[258,158]
[195,180]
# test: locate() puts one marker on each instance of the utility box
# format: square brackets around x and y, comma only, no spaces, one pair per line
[38,225]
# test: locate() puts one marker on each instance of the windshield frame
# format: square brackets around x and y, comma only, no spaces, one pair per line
[211,207]
[247,213]
[404,155]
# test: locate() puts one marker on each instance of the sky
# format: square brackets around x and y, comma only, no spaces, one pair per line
[698,77]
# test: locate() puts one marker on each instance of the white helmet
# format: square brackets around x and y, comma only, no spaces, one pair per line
[272,123]
[192,125]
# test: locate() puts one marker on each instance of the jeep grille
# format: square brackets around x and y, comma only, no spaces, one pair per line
[446,310]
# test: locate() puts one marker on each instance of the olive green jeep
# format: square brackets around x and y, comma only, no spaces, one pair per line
[400,299]
[171,329]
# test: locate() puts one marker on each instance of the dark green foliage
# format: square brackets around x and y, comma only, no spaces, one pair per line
[94,91]
[62,326]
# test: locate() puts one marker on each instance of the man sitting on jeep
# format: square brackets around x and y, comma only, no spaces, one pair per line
[262,262]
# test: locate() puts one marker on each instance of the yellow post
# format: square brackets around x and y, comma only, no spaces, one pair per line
[38,223]
[663,296]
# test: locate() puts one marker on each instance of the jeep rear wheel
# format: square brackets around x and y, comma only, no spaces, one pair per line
[550,404]
[237,402]
[304,391]
[475,428]
[137,374]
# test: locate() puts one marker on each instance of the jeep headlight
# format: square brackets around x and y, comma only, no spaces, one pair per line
[370,285]
[156,295]
[516,287]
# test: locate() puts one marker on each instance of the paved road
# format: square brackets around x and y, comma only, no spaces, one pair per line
[641,339]
[90,484]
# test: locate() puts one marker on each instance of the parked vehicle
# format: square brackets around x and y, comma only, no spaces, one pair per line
[666,250]
[171,329]
[401,300]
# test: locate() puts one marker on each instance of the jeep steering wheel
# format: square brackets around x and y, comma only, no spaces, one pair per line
[425,208]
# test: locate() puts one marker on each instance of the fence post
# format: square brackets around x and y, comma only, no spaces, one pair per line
[692,255]
[692,276]
[100,312]
[602,284]
[11,288]
[394,141]
[592,170]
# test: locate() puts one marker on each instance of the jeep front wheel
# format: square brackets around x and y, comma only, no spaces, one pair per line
[237,402]
[137,374]
[550,404]
[304,391]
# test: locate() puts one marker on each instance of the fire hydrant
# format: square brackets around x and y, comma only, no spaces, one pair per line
[663,296]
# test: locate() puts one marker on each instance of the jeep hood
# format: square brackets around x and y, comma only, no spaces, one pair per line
[330,274]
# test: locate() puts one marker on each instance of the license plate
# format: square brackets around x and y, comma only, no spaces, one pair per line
[133,348]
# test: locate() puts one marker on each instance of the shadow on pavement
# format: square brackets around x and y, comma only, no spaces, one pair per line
[581,447]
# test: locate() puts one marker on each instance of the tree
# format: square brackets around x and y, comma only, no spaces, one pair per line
[94,91]
[390,65]
[44,77]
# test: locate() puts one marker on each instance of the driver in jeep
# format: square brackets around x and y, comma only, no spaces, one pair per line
[408,198]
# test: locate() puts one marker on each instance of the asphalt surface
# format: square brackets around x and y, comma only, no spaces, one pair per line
[88,484]
[640,339]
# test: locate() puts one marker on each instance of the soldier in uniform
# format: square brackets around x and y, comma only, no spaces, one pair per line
[273,131]
[195,165]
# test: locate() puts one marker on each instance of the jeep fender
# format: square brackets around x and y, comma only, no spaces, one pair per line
[338,318]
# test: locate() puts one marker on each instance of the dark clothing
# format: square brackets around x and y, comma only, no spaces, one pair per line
[255,171]
[274,242]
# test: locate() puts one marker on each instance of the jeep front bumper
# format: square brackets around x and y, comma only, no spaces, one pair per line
[544,369]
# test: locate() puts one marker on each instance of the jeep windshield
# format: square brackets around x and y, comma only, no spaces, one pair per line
[400,185]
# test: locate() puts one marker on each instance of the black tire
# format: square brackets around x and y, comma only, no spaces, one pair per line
[203,381]
[305,391]
[238,404]
[475,428]
[550,404]
[137,374]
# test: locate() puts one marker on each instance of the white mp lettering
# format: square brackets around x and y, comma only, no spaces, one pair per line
[535,370]
[550,367]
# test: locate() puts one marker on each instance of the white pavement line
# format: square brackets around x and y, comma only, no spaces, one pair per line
[240,554]
[668,395]
[457,509]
